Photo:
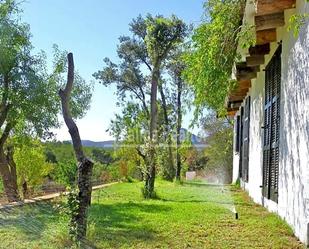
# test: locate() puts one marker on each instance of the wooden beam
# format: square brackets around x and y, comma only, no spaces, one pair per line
[236,104]
[255,60]
[259,49]
[269,21]
[266,36]
[246,73]
[231,113]
[264,7]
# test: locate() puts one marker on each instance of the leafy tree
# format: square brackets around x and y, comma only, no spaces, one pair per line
[29,103]
[27,100]
[147,51]
[213,52]
[102,156]
[161,37]
[31,165]
[50,156]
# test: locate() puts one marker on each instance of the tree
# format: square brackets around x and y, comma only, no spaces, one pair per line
[213,52]
[176,67]
[85,165]
[161,37]
[31,165]
[142,60]
[131,128]
[28,99]
[29,103]
[132,90]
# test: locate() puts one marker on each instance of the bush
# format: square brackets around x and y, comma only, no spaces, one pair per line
[66,173]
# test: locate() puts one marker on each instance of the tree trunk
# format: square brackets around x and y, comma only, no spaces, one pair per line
[179,121]
[151,165]
[8,173]
[169,173]
[85,165]
[25,190]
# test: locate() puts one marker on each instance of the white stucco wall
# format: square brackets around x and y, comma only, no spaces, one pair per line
[294,123]
[293,201]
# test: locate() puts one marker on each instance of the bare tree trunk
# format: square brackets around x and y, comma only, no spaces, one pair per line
[169,173]
[179,121]
[9,177]
[151,165]
[85,165]
[25,190]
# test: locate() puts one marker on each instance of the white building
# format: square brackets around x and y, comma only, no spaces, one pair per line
[271,111]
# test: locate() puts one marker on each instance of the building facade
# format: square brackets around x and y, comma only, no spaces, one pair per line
[270,107]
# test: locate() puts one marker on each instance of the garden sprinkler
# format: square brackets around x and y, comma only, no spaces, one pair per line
[235,212]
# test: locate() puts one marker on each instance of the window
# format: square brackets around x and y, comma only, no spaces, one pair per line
[243,140]
[271,127]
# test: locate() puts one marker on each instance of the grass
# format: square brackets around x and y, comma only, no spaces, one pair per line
[189,215]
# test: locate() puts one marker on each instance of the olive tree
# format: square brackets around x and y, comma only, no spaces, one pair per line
[29,102]
[162,36]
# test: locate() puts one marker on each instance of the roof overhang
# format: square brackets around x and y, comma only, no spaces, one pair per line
[266,16]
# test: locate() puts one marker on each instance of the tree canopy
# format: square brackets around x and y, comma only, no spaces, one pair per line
[213,52]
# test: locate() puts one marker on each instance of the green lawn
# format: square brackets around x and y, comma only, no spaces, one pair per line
[192,215]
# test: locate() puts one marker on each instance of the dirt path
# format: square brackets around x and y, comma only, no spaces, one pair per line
[47,197]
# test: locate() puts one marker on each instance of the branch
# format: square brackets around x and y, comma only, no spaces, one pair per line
[140,153]
[65,102]
[147,64]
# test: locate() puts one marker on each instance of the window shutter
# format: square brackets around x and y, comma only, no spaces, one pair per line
[241,128]
[245,151]
[271,127]
[237,138]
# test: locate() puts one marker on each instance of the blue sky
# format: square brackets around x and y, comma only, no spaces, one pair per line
[90,29]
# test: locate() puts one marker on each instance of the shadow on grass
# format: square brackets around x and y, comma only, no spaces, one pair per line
[32,219]
[124,223]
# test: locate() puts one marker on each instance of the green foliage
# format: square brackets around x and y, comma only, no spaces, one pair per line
[296,22]
[192,158]
[247,36]
[70,209]
[210,62]
[102,156]
[162,36]
[65,172]
[105,167]
[31,165]
[25,84]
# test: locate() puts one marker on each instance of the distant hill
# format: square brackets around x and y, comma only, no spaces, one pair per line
[184,135]
[100,144]
[196,140]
